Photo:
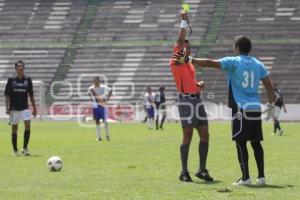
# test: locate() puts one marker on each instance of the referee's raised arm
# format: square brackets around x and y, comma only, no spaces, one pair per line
[182,31]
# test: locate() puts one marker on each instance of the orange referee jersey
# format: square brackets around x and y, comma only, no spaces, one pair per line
[184,75]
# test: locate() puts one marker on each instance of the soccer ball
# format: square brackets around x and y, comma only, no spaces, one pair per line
[54,163]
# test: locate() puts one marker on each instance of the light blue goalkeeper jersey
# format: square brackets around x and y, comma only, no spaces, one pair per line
[244,74]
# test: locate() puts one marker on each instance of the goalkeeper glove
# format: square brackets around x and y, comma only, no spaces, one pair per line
[270,111]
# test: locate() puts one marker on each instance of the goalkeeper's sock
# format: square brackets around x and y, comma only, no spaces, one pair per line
[98,131]
[243,158]
[259,158]
[275,127]
[14,141]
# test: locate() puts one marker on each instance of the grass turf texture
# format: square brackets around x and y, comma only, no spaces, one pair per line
[141,164]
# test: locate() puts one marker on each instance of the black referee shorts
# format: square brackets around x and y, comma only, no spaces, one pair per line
[246,125]
[192,112]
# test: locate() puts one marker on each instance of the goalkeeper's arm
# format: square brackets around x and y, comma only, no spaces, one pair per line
[181,57]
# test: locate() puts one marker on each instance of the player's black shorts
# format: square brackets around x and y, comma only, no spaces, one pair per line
[192,113]
[246,125]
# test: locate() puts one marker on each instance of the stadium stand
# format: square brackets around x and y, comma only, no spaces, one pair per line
[39,21]
[131,41]
[127,22]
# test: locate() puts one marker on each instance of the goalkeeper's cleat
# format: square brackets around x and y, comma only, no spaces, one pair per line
[25,152]
[203,174]
[261,181]
[16,153]
[98,139]
[242,182]
[185,177]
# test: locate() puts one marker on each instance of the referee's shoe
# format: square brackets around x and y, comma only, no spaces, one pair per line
[185,177]
[203,174]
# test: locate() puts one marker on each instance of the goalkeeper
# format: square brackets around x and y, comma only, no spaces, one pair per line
[244,74]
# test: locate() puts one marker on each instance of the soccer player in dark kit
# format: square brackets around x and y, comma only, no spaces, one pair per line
[279,104]
[16,100]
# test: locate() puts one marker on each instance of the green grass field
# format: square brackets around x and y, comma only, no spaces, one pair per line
[141,164]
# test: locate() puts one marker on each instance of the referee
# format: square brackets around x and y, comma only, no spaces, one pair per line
[16,100]
[244,74]
[191,109]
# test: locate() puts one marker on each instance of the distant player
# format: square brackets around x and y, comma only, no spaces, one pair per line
[191,110]
[149,104]
[16,100]
[244,74]
[160,104]
[99,94]
[279,104]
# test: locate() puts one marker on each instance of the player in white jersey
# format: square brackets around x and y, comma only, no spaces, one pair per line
[99,94]
[149,104]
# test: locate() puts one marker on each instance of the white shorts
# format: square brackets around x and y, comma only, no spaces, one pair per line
[276,112]
[17,116]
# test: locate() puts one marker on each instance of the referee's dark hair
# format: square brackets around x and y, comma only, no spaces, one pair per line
[19,62]
[243,43]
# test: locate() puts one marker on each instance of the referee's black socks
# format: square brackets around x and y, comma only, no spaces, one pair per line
[26,138]
[14,141]
[203,151]
[184,154]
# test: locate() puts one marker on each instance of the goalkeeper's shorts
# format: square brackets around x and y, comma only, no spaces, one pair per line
[246,125]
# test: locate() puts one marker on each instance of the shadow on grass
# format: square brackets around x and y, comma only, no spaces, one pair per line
[207,183]
[269,186]
[34,156]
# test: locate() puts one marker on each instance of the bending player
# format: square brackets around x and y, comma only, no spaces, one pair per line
[99,94]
